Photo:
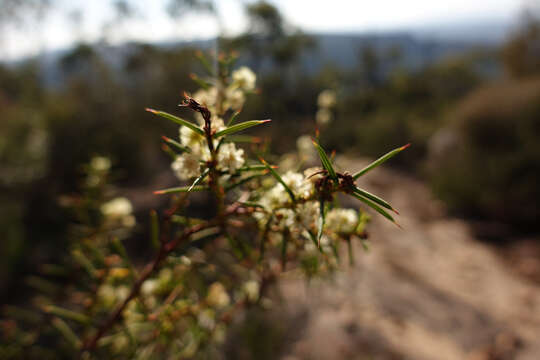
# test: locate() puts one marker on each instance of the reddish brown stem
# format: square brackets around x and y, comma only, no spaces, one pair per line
[149,269]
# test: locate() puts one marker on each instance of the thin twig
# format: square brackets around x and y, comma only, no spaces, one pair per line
[149,269]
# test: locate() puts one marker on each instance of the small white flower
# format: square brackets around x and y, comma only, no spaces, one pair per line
[217,296]
[229,157]
[190,138]
[287,219]
[100,163]
[234,98]
[244,78]
[251,288]
[326,99]
[308,214]
[206,97]
[313,174]
[275,197]
[117,208]
[184,260]
[293,180]
[149,286]
[121,292]
[323,116]
[186,166]
[206,319]
[342,221]
[106,294]
[298,184]
[261,217]
[216,122]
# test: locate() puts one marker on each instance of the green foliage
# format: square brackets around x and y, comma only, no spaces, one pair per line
[407,107]
[485,163]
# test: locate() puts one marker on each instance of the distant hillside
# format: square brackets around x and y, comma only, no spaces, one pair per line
[339,50]
[343,50]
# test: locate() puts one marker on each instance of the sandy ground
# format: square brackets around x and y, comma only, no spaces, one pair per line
[429,291]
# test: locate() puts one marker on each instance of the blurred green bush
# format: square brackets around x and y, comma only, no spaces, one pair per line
[486,161]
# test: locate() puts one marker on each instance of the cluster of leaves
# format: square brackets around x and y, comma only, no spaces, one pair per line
[204,270]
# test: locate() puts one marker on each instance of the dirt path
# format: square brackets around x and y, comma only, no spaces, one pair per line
[430,291]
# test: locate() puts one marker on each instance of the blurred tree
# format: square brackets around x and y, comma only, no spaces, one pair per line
[402,106]
[179,8]
[521,55]
[269,37]
[16,12]
[370,66]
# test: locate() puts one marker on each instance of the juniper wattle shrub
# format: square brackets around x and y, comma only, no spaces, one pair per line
[262,221]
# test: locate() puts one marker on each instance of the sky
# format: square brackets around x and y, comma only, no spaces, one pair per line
[59,30]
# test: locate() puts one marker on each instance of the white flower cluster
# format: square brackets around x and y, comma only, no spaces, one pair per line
[233,96]
[326,101]
[188,165]
[229,158]
[342,221]
[304,214]
[98,168]
[100,163]
[244,79]
[119,210]
[217,296]
[277,196]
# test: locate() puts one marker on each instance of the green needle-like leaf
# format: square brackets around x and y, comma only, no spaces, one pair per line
[239,127]
[379,161]
[375,207]
[84,262]
[176,144]
[325,161]
[67,314]
[201,82]
[256,167]
[243,139]
[252,204]
[119,248]
[278,178]
[313,239]
[374,198]
[242,181]
[66,331]
[177,120]
[322,217]
[180,189]
[232,119]
[205,63]
[199,179]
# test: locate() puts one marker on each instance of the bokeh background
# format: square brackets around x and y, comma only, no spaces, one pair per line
[458,80]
